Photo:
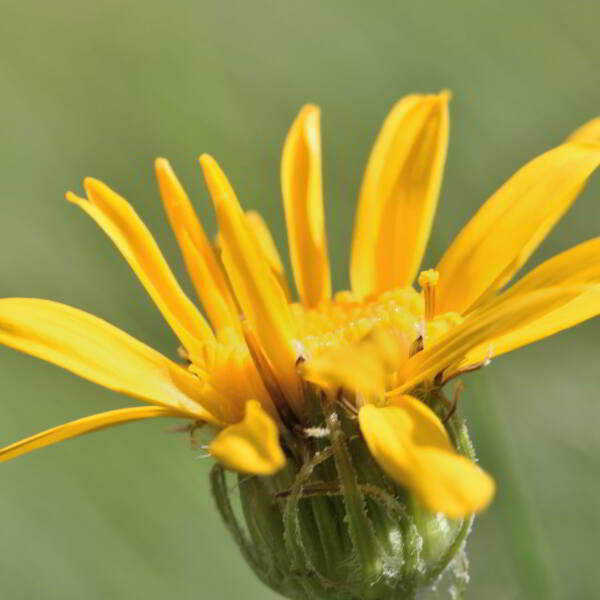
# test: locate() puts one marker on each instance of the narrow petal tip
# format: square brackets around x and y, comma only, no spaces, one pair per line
[167,182]
[90,184]
[589,132]
[72,197]
[163,169]
[216,181]
[445,96]
[207,161]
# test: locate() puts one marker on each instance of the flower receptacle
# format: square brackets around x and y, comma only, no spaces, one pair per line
[331,525]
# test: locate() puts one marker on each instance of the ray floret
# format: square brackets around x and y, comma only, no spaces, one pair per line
[273,378]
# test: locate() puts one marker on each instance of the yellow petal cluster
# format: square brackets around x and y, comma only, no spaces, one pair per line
[379,349]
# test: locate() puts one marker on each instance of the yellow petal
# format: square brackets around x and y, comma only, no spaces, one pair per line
[121,223]
[480,329]
[83,426]
[203,267]
[579,266]
[409,443]
[588,132]
[262,300]
[102,353]
[583,307]
[576,266]
[363,367]
[399,194]
[302,189]
[265,240]
[251,446]
[511,224]
[347,368]
[220,313]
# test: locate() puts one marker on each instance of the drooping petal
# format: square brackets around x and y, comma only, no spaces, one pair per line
[83,426]
[505,231]
[124,227]
[265,240]
[363,367]
[480,329]
[345,367]
[399,194]
[251,446]
[102,353]
[302,190]
[199,256]
[588,132]
[262,300]
[411,446]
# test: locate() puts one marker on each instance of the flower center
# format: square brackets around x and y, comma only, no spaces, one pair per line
[345,320]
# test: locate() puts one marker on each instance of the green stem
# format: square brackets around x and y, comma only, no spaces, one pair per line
[359,526]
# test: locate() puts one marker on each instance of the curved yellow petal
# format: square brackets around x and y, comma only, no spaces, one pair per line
[203,267]
[510,225]
[363,367]
[583,307]
[409,443]
[83,426]
[579,266]
[124,227]
[265,240]
[102,353]
[399,194]
[588,132]
[262,300]
[479,330]
[220,313]
[345,367]
[251,446]
[302,190]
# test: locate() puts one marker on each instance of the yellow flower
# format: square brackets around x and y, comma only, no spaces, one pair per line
[379,351]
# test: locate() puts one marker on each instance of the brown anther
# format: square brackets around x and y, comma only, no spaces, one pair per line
[416,346]
[463,371]
[455,397]
[189,428]
[184,354]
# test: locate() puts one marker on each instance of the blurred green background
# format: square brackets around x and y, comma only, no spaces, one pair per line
[102,88]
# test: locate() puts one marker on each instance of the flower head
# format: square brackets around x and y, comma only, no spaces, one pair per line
[272,377]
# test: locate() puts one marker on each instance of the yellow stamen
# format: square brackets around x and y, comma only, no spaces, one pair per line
[428,280]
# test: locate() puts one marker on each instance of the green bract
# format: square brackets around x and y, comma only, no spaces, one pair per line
[333,526]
